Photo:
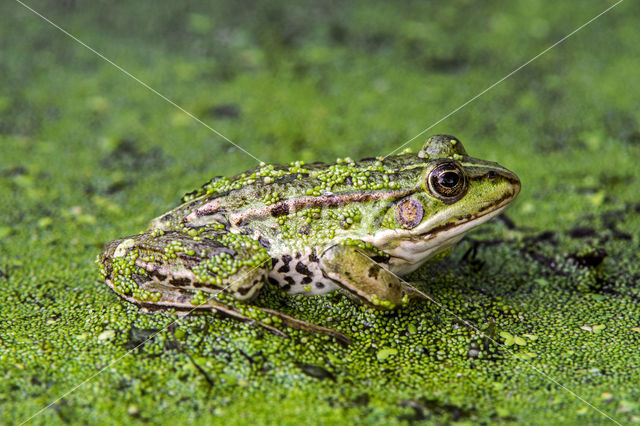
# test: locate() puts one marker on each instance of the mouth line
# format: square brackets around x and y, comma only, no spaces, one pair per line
[438,232]
[433,232]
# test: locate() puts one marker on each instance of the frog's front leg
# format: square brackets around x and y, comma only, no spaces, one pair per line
[354,268]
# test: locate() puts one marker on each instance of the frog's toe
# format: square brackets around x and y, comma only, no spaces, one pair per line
[299,324]
[410,289]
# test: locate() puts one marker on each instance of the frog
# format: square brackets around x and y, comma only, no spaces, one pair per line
[356,227]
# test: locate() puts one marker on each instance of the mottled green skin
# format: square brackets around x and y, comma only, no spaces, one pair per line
[352,226]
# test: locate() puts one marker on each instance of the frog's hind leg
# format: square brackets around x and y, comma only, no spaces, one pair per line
[213,271]
[184,272]
[185,302]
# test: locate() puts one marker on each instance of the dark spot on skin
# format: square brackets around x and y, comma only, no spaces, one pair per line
[319,285]
[280,209]
[307,280]
[140,279]
[374,271]
[264,243]
[274,262]
[304,230]
[301,268]
[181,282]
[273,281]
[380,259]
[286,259]
[286,287]
[298,255]
[313,258]
[244,290]
[440,228]
[194,258]
[289,280]
[284,268]
[158,275]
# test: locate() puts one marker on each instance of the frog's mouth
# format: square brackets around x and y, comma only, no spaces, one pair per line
[409,249]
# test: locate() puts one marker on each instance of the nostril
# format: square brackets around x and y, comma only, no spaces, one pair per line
[491,175]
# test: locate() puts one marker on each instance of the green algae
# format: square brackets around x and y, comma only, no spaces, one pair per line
[88,156]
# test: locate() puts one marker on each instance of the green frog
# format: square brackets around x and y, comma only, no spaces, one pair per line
[351,226]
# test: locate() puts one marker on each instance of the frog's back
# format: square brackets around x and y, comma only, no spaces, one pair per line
[303,204]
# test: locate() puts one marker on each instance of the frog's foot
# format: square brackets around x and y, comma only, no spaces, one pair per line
[299,324]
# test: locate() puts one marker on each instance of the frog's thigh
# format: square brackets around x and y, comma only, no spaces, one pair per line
[213,262]
[233,263]
[360,276]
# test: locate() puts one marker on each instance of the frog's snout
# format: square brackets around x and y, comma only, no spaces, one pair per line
[513,181]
[505,183]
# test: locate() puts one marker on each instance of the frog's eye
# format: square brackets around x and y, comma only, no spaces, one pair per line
[447,182]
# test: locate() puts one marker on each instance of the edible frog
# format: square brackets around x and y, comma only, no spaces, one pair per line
[352,226]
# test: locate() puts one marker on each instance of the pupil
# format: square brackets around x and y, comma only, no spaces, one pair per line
[449,179]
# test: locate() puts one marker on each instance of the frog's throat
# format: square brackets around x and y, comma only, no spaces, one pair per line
[410,250]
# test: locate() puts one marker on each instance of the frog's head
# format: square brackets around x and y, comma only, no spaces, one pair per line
[453,193]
